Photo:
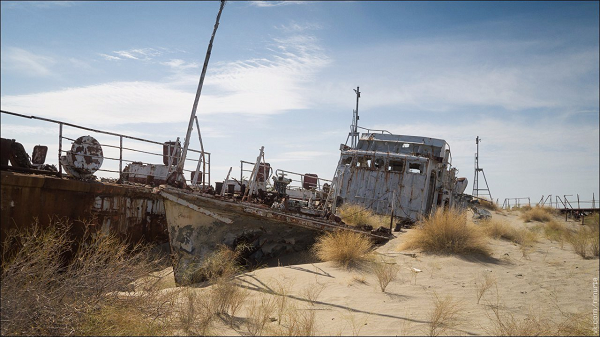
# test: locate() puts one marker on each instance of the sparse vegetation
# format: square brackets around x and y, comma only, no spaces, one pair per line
[585,241]
[444,315]
[505,323]
[483,284]
[502,230]
[385,271]
[45,292]
[446,232]
[541,214]
[343,247]
[357,215]
[312,292]
[488,204]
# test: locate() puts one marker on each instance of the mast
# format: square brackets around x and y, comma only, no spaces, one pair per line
[179,170]
[353,135]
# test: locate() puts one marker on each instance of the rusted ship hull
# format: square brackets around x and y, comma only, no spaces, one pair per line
[198,224]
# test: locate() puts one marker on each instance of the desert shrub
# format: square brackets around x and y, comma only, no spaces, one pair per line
[585,241]
[444,315]
[502,230]
[497,229]
[446,232]
[484,284]
[195,312]
[259,314]
[357,215]
[345,248]
[44,292]
[487,204]
[541,214]
[523,208]
[222,263]
[385,271]
[312,292]
[294,321]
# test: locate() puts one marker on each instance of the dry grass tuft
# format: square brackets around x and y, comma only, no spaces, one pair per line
[555,231]
[221,264]
[502,230]
[259,314]
[44,292]
[295,322]
[489,205]
[541,214]
[585,241]
[385,271]
[483,284]
[312,292]
[195,313]
[357,215]
[343,247]
[444,315]
[447,232]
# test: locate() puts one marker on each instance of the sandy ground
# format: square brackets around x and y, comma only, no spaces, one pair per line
[546,281]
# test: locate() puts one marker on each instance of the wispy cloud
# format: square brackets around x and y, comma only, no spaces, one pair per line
[145,54]
[276,3]
[25,62]
[438,75]
[110,57]
[299,27]
[178,64]
[38,4]
[526,157]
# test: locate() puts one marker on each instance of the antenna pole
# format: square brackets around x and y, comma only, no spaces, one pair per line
[355,118]
[180,164]
[476,188]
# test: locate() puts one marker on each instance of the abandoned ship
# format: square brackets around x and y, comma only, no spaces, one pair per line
[274,212]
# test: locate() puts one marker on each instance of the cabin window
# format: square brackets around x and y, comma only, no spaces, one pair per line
[378,163]
[405,146]
[362,162]
[416,168]
[347,161]
[396,166]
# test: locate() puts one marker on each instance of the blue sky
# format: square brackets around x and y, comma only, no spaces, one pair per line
[523,76]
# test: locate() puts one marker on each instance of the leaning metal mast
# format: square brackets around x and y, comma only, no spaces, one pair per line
[178,173]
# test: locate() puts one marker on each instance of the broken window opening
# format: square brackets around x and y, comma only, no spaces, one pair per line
[362,162]
[378,163]
[416,168]
[396,166]
[347,160]
[405,146]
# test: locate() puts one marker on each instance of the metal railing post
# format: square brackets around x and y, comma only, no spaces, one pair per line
[121,156]
[60,127]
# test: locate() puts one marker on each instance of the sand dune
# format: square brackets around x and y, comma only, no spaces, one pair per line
[549,283]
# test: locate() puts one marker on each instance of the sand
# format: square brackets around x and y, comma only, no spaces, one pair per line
[549,282]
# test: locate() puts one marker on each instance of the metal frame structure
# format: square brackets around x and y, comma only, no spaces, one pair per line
[121,159]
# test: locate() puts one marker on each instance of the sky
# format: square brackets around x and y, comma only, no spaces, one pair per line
[523,76]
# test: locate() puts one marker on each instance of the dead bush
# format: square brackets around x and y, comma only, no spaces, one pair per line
[357,215]
[259,314]
[483,284]
[541,214]
[487,204]
[585,241]
[444,316]
[446,232]
[385,271]
[343,247]
[222,263]
[43,292]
